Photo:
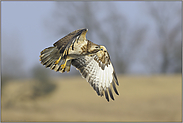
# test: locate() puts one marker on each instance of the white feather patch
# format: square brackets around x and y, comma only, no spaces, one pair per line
[96,76]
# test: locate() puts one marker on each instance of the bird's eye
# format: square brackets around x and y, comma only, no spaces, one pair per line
[101,49]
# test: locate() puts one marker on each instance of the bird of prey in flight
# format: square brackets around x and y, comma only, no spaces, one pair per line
[92,61]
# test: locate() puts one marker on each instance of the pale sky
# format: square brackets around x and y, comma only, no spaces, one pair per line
[24,21]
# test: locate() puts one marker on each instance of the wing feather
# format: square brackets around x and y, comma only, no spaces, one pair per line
[100,79]
[64,43]
[110,92]
[106,95]
[114,87]
[115,78]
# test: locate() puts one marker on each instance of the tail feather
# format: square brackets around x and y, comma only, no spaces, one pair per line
[58,66]
[46,60]
[44,56]
[48,50]
[50,63]
[49,56]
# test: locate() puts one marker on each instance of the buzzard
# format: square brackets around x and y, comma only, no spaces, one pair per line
[90,59]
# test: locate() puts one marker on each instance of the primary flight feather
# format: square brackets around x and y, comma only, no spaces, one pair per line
[90,59]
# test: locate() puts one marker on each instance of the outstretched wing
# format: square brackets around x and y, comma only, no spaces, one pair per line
[64,43]
[101,76]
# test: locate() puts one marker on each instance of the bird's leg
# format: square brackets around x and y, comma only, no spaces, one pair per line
[67,67]
[63,65]
[57,61]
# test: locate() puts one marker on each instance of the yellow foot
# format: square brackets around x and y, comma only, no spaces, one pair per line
[63,65]
[57,61]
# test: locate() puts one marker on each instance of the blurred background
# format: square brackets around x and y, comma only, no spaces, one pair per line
[142,38]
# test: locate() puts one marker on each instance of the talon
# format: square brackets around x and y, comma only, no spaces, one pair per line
[63,65]
[57,61]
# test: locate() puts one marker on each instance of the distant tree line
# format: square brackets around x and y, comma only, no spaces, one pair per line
[108,26]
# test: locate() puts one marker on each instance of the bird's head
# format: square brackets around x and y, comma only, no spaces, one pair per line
[102,48]
[92,47]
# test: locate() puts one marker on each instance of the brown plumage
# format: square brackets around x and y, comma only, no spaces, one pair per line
[92,60]
[67,48]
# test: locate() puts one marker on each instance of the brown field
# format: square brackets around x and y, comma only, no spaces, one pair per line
[142,98]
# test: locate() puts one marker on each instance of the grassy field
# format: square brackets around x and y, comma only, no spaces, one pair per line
[142,98]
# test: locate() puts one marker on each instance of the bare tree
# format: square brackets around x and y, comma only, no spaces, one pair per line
[167,20]
[103,29]
[107,25]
